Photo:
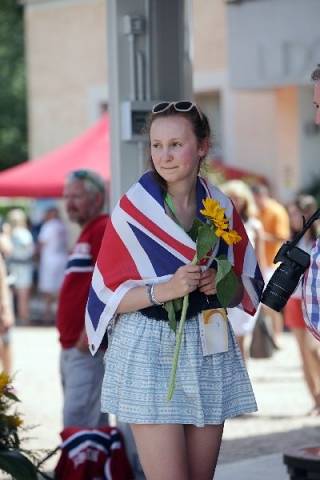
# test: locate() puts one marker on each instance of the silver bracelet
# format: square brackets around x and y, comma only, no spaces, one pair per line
[152,297]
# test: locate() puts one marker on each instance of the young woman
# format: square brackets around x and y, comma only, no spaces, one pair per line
[144,261]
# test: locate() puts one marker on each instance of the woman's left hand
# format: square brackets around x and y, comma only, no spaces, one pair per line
[207,283]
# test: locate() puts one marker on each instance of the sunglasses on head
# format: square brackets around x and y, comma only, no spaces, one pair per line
[178,106]
[86,175]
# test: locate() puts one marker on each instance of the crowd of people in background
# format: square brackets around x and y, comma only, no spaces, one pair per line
[35,257]
[31,265]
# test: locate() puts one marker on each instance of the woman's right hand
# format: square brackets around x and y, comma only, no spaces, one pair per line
[185,280]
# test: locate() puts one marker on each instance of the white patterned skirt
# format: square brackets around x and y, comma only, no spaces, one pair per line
[137,370]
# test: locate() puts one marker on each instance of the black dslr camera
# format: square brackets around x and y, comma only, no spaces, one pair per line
[294,262]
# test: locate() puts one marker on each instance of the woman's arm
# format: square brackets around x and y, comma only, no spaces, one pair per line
[185,280]
[6,314]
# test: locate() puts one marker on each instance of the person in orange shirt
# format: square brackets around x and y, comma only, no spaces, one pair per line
[275,222]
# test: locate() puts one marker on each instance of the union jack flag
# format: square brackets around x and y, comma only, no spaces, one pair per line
[311,292]
[143,245]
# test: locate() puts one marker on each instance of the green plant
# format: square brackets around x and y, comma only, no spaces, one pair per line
[13,458]
[13,118]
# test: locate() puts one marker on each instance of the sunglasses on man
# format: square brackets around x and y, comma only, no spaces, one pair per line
[83,174]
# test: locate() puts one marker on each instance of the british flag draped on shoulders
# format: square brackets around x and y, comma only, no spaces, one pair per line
[144,245]
[311,292]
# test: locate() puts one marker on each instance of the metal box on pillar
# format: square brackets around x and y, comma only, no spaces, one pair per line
[148,61]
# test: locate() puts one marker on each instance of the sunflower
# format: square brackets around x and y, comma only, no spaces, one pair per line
[216,214]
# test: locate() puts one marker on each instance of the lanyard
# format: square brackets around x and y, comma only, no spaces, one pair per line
[169,202]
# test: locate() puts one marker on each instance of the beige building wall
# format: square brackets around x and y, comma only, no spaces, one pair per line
[287,140]
[267,136]
[67,70]
[209,35]
[258,129]
[255,130]
[66,45]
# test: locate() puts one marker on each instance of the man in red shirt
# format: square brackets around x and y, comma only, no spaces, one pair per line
[82,374]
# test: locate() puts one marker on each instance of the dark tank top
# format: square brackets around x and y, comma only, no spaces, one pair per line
[197,302]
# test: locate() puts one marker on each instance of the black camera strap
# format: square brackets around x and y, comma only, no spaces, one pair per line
[306,225]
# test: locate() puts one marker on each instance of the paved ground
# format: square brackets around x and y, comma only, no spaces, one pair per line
[282,398]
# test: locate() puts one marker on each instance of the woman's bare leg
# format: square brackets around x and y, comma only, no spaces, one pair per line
[162,451]
[48,315]
[23,299]
[203,446]
[309,369]
[5,355]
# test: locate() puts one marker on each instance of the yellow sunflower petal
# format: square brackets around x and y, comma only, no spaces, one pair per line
[223,225]
[4,381]
[231,237]
[219,232]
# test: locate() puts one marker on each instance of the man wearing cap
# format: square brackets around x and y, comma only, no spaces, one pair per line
[84,196]
[311,284]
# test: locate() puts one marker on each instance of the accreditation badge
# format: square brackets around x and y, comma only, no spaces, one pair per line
[213,326]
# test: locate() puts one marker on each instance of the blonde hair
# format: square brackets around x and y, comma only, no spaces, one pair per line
[242,190]
[17,218]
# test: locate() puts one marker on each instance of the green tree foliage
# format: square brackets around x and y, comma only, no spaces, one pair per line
[13,128]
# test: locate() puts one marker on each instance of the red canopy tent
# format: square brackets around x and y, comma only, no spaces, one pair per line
[45,176]
[223,173]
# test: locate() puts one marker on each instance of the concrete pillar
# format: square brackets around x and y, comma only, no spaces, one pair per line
[148,60]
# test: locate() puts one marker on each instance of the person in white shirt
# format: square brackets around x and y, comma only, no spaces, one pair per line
[53,250]
[20,262]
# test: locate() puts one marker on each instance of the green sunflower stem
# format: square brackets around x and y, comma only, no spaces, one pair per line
[185,304]
[172,381]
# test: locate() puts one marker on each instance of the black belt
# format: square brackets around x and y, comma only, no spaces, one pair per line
[197,303]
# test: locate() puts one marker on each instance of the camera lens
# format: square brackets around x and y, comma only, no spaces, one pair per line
[281,285]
